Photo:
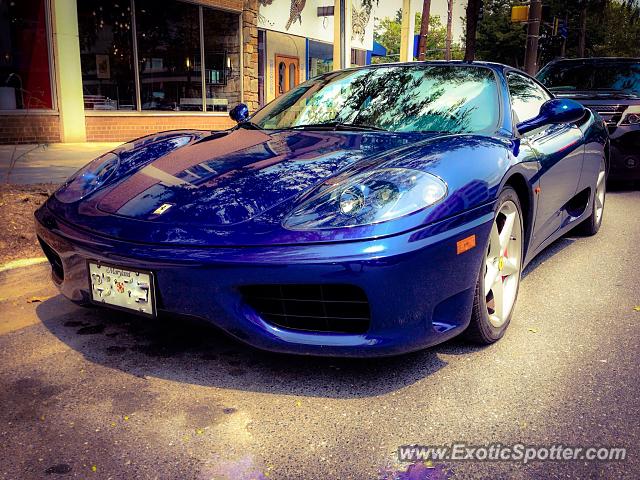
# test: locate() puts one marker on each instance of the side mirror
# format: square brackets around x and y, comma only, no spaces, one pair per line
[239,113]
[554,111]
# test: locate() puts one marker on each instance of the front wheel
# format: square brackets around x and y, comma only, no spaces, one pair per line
[499,278]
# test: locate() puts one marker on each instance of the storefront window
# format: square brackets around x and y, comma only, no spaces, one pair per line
[320,58]
[169,52]
[221,59]
[106,55]
[25,81]
[168,35]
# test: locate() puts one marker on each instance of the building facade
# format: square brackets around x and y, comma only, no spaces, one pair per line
[113,70]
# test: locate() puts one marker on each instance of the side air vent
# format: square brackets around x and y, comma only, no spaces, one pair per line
[54,260]
[314,308]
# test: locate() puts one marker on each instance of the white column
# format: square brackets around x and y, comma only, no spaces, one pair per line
[407,32]
[341,34]
[66,46]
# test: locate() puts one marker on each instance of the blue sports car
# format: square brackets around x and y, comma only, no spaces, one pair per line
[369,211]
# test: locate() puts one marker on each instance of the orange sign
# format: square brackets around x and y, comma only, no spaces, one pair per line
[519,13]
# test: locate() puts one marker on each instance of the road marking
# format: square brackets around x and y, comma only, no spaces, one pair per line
[23,262]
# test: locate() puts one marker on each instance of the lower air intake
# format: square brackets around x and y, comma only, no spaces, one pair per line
[314,308]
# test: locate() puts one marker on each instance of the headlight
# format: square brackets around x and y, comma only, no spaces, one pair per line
[89,178]
[631,115]
[368,198]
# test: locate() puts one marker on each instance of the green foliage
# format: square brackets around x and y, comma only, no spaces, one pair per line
[387,33]
[613,33]
[613,29]
[499,40]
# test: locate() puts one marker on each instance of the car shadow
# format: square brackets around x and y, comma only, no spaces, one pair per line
[550,251]
[623,186]
[195,352]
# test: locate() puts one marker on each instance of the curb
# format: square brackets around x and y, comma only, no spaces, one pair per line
[22,262]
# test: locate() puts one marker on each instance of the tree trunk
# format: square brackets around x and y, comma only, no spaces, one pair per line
[533,32]
[582,40]
[424,30]
[473,11]
[447,51]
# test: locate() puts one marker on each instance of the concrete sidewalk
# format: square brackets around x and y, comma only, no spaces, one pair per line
[51,163]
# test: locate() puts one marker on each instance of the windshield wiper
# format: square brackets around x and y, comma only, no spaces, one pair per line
[337,126]
[249,126]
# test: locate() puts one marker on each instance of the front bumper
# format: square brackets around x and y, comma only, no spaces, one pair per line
[420,290]
[625,153]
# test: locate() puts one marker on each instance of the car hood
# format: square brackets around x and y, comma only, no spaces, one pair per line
[236,187]
[231,179]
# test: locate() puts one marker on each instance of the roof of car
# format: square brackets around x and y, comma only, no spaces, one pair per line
[492,65]
[597,60]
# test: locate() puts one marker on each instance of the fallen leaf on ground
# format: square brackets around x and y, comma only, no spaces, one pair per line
[637,308]
[533,330]
[37,299]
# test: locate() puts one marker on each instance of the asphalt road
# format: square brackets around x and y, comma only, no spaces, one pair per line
[96,394]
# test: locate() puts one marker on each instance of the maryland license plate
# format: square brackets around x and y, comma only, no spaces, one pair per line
[122,288]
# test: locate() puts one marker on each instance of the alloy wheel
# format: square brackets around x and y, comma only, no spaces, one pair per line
[503,263]
[600,193]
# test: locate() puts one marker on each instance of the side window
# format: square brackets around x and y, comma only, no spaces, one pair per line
[526,96]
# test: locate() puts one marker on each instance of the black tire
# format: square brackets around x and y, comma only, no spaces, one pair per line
[591,225]
[480,329]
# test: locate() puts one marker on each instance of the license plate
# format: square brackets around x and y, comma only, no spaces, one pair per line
[124,288]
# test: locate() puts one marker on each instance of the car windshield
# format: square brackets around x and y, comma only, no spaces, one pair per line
[422,98]
[607,76]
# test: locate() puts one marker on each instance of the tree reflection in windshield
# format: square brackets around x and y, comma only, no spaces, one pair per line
[444,98]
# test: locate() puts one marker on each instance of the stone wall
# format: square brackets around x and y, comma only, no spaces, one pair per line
[250,47]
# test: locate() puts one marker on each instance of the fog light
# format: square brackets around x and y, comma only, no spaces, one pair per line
[630,162]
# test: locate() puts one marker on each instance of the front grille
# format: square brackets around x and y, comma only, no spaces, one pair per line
[316,308]
[611,114]
[54,259]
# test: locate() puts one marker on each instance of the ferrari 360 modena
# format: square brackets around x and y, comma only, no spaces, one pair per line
[369,211]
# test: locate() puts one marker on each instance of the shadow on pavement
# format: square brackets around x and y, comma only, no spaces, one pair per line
[194,352]
[553,249]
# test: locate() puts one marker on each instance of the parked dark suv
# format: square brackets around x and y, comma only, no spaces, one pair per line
[611,87]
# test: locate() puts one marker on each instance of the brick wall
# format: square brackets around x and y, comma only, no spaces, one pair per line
[29,128]
[123,128]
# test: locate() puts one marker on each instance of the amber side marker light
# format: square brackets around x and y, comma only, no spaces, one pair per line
[465,244]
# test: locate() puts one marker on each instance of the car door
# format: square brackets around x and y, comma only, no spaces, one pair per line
[560,152]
